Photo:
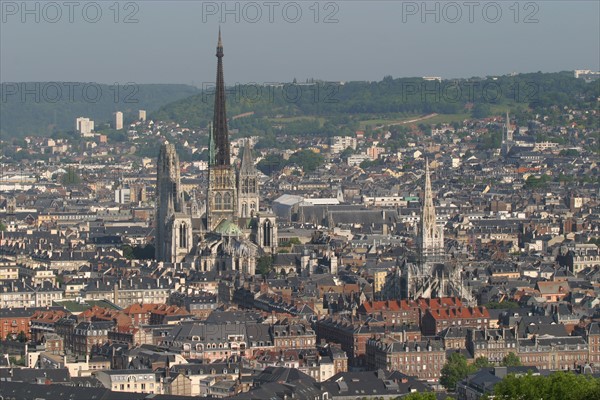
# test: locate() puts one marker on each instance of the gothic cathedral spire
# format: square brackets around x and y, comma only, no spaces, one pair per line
[220,115]
[431,239]
[222,193]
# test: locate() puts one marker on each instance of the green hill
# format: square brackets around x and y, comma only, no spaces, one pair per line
[322,106]
[41,108]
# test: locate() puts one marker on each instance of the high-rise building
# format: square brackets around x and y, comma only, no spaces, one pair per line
[142,115]
[118,120]
[84,126]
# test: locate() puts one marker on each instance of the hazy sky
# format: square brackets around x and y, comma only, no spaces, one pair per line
[174,41]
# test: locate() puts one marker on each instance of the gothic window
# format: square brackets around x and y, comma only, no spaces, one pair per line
[244,210]
[252,208]
[227,201]
[183,235]
[244,185]
[218,202]
[267,232]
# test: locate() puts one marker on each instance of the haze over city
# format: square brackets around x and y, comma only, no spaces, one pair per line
[383,200]
[352,40]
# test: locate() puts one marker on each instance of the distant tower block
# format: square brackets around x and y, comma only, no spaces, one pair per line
[85,126]
[118,120]
[142,115]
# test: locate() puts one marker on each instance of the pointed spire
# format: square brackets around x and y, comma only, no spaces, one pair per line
[170,205]
[220,114]
[211,145]
[428,197]
[247,165]
[508,131]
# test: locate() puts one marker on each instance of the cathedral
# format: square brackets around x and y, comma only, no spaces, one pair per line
[230,232]
[430,275]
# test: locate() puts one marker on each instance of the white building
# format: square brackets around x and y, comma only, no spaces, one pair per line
[123,196]
[118,120]
[356,159]
[341,143]
[142,115]
[85,126]
[130,381]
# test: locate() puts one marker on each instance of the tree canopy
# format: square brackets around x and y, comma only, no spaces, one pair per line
[455,369]
[557,386]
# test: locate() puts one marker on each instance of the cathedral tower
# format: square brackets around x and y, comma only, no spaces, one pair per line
[431,236]
[247,185]
[171,220]
[507,137]
[222,200]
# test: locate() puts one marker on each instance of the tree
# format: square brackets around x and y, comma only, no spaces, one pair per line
[264,265]
[481,110]
[22,337]
[270,163]
[71,177]
[559,385]
[480,362]
[534,182]
[2,227]
[494,305]
[569,153]
[454,370]
[308,160]
[127,251]
[419,396]
[511,360]
[347,152]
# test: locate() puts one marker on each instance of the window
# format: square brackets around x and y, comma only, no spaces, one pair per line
[227,200]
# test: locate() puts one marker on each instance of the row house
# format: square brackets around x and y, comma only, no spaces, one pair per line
[293,336]
[494,344]
[391,311]
[407,312]
[192,379]
[14,320]
[309,362]
[423,359]
[154,314]
[18,294]
[556,353]
[43,322]
[434,321]
[353,336]
[126,292]
[211,342]
[88,335]
[131,381]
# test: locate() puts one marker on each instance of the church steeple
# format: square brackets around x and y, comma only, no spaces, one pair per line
[211,145]
[221,135]
[247,165]
[221,191]
[431,236]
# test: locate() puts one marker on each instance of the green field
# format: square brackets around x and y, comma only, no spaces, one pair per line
[381,121]
[438,119]
[285,120]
